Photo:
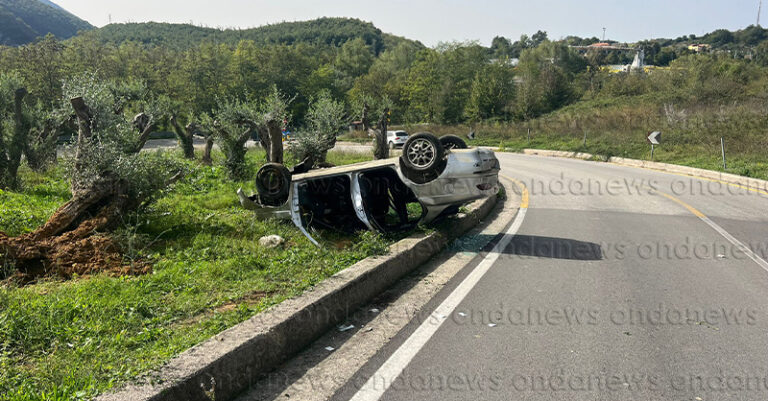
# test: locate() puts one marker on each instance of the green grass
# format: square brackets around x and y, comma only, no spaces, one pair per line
[75,339]
[618,127]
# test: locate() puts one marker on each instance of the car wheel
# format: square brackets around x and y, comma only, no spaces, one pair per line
[273,181]
[391,145]
[423,158]
[453,142]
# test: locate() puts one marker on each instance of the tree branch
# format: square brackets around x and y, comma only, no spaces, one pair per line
[146,124]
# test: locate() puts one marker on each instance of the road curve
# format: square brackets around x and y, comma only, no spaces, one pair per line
[618,283]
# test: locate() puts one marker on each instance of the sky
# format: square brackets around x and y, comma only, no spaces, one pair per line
[434,21]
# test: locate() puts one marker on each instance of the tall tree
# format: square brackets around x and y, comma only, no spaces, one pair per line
[493,92]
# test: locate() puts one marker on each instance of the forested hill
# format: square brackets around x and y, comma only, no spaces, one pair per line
[22,21]
[330,31]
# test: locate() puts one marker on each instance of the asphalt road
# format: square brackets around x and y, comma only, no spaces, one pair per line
[616,283]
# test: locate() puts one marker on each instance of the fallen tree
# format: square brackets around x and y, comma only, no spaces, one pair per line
[110,179]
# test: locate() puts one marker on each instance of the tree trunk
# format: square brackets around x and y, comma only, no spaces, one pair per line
[379,134]
[382,149]
[145,124]
[273,135]
[69,243]
[207,150]
[186,138]
[11,158]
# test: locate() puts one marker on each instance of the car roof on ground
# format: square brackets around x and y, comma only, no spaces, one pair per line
[327,172]
[362,166]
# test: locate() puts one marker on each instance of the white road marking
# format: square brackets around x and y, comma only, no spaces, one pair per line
[378,384]
[740,245]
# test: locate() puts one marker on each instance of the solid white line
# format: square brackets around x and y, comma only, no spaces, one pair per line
[378,384]
[740,245]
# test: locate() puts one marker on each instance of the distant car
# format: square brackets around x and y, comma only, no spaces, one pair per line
[432,178]
[396,139]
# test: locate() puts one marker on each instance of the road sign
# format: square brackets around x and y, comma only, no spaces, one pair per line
[654,138]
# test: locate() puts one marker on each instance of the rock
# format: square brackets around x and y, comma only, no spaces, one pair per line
[271,241]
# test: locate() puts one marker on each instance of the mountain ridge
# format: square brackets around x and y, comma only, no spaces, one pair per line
[328,31]
[23,21]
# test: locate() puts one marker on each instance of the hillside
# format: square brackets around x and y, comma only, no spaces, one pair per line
[21,21]
[328,31]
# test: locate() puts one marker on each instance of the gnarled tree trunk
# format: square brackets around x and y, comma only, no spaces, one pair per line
[69,242]
[10,155]
[275,135]
[207,160]
[186,137]
[380,148]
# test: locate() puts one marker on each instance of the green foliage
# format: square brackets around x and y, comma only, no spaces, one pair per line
[547,74]
[326,119]
[493,92]
[387,78]
[323,31]
[21,21]
[353,60]
[440,81]
[232,124]
[113,145]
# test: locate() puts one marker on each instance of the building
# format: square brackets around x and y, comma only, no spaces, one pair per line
[699,48]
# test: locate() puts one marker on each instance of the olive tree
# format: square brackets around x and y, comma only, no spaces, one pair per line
[13,137]
[379,130]
[326,119]
[234,122]
[110,178]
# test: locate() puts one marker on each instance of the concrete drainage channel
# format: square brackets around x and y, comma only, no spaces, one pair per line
[229,363]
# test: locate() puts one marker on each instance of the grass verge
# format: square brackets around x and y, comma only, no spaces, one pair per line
[75,339]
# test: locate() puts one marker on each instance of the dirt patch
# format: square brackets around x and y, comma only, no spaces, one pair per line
[249,299]
[80,252]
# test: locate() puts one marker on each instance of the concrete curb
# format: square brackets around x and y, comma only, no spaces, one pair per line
[224,366]
[751,183]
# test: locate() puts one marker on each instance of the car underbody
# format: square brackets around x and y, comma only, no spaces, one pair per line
[380,195]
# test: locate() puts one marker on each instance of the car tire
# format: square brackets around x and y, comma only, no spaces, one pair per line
[423,158]
[391,146]
[453,142]
[273,181]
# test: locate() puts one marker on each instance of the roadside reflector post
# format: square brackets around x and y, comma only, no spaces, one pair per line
[654,138]
[722,149]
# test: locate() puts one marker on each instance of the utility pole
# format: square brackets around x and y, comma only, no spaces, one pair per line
[604,29]
[759,10]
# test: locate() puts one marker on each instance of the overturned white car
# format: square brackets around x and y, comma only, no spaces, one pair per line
[432,178]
